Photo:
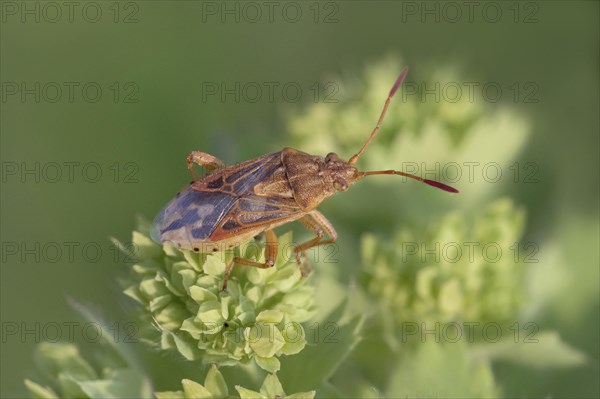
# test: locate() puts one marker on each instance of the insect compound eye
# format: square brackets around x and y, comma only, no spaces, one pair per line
[340,185]
[330,156]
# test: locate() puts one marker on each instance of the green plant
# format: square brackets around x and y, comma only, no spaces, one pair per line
[258,318]
[268,324]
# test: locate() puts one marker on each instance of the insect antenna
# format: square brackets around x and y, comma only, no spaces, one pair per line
[385,106]
[355,157]
[432,183]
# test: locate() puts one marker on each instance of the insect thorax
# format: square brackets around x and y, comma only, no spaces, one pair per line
[313,178]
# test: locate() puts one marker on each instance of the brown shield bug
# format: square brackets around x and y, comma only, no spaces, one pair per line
[232,204]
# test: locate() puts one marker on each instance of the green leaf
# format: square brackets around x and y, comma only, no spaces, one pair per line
[171,316]
[264,339]
[286,243]
[124,383]
[134,292]
[214,266]
[329,391]
[192,260]
[169,395]
[248,394]
[270,364]
[441,370]
[186,348]
[70,386]
[302,395]
[271,387]
[269,316]
[122,350]
[295,339]
[192,389]
[159,303]
[56,358]
[541,351]
[39,392]
[146,248]
[152,287]
[319,361]
[210,313]
[188,278]
[201,295]
[215,383]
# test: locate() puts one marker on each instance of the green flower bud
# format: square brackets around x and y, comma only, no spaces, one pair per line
[215,388]
[66,373]
[258,317]
[452,271]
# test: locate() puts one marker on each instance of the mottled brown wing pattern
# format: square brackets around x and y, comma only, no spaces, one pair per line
[196,212]
[239,180]
[254,213]
[261,192]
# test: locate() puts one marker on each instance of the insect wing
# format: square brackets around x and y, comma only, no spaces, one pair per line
[239,180]
[256,214]
[253,213]
[191,217]
[222,205]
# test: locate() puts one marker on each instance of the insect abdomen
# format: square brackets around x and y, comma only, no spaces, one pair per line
[190,217]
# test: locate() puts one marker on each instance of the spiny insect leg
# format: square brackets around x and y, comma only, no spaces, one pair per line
[318,224]
[270,257]
[205,160]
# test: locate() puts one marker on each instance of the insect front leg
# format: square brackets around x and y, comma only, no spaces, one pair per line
[270,257]
[317,223]
[205,160]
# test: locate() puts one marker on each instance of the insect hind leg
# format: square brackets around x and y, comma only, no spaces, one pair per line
[207,161]
[318,224]
[270,257]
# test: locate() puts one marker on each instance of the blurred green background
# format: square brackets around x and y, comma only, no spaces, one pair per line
[154,61]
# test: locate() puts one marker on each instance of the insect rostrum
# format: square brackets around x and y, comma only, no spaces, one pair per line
[232,204]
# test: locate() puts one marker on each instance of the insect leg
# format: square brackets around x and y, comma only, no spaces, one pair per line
[317,223]
[270,257]
[203,159]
